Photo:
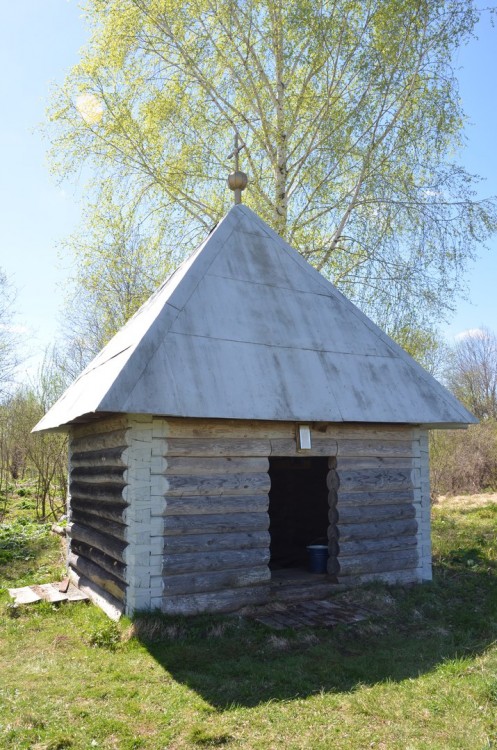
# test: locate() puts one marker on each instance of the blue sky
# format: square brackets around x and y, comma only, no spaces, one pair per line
[39,42]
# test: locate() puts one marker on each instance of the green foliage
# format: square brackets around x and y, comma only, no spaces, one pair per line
[350,118]
[464,461]
[106,636]
[18,538]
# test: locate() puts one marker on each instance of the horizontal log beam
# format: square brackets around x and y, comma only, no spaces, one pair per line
[383,544]
[216,523]
[374,462]
[220,601]
[319,447]
[204,465]
[358,514]
[216,447]
[411,575]
[112,607]
[98,475]
[96,442]
[373,480]
[113,547]
[116,568]
[111,494]
[373,530]
[194,583]
[218,560]
[198,543]
[217,484]
[111,528]
[370,447]
[378,563]
[208,504]
[100,577]
[380,497]
[106,457]
[109,512]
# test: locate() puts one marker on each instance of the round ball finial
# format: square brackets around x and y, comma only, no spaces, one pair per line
[237,181]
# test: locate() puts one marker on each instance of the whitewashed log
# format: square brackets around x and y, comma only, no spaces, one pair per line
[112,607]
[118,569]
[216,447]
[381,497]
[383,544]
[100,577]
[372,480]
[114,512]
[219,601]
[358,514]
[197,505]
[115,530]
[106,457]
[372,530]
[370,447]
[201,465]
[198,543]
[216,523]
[107,544]
[111,494]
[218,560]
[194,583]
[217,484]
[114,439]
[378,562]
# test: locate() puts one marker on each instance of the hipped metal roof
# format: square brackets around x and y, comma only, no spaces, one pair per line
[247,329]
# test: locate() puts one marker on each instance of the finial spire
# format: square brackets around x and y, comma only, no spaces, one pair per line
[237,181]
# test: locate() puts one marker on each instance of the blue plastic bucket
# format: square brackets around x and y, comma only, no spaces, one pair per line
[318,558]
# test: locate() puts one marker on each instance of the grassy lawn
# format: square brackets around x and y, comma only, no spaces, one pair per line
[421,673]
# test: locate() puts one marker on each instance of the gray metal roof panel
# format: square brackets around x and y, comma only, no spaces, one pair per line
[247,329]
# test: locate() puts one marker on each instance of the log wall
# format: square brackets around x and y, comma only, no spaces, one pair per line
[172,514]
[216,540]
[97,523]
[381,529]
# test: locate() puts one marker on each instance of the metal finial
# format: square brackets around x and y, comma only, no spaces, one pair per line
[237,181]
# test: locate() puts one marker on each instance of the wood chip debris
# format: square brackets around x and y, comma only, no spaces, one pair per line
[48,592]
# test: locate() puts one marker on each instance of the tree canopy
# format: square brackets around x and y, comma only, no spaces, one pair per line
[350,119]
[473,373]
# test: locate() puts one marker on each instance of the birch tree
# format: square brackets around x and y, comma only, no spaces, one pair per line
[350,119]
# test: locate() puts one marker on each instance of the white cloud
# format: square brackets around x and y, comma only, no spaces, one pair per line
[470,333]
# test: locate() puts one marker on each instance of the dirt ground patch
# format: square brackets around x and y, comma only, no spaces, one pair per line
[466,501]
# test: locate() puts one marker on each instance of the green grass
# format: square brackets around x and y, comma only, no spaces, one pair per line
[421,673]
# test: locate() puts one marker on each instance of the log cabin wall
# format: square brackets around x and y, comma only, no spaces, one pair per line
[383,506]
[216,541]
[172,514]
[97,526]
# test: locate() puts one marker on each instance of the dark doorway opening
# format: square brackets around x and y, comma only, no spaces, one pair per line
[298,509]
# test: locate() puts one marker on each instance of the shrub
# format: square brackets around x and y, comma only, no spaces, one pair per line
[464,460]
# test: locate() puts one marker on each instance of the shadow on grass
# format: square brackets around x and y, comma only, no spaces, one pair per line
[234,661]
